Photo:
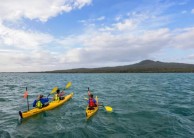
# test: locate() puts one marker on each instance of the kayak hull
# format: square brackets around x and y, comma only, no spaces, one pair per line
[90,113]
[52,105]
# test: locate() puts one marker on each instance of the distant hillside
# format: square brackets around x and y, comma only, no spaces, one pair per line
[145,66]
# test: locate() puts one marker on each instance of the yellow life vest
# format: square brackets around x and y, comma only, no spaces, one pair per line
[39,104]
[56,98]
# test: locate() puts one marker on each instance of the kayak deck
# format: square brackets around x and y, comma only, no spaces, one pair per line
[90,113]
[52,104]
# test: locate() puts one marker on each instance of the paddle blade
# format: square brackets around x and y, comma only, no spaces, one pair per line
[25,94]
[54,90]
[68,85]
[108,108]
[85,98]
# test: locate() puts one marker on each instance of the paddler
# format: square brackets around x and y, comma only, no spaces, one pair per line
[40,102]
[91,101]
[58,95]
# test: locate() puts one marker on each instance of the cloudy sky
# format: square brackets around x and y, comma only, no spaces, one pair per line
[44,35]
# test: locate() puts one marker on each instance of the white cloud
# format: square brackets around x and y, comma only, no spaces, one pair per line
[92,21]
[130,38]
[135,21]
[37,9]
[114,45]
[118,18]
[184,38]
[101,18]
[34,60]
[98,47]
[183,12]
[192,11]
[22,50]
[125,25]
[191,57]
[23,39]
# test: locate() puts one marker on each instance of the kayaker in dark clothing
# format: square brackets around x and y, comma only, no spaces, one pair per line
[91,101]
[40,102]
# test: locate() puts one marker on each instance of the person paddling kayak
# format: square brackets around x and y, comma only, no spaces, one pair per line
[40,102]
[91,102]
[58,95]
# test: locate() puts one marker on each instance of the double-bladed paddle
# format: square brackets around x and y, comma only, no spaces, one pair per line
[53,91]
[56,88]
[107,108]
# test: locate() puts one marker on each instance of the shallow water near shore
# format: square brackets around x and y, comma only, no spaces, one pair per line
[144,105]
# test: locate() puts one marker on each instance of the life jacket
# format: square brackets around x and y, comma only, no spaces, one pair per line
[39,104]
[91,102]
[56,98]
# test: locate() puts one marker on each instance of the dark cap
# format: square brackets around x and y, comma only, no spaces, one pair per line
[58,90]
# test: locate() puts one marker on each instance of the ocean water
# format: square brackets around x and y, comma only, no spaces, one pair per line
[150,105]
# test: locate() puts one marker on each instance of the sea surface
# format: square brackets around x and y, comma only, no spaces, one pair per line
[150,105]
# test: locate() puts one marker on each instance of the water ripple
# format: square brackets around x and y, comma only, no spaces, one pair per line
[144,105]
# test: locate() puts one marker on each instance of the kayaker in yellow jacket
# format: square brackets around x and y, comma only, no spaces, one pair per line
[40,102]
[58,95]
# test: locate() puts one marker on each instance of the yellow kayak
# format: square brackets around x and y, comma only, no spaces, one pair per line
[52,104]
[90,113]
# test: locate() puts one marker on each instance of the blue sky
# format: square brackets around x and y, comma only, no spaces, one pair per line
[45,35]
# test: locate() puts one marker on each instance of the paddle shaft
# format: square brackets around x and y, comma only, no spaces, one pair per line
[107,108]
[55,89]
[27,101]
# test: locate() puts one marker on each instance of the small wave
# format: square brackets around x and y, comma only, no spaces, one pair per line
[10,86]
[4,134]
[182,111]
[3,99]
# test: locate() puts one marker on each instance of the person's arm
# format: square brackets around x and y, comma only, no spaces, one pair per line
[44,100]
[62,93]
[47,99]
[89,92]
[95,102]
[34,103]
